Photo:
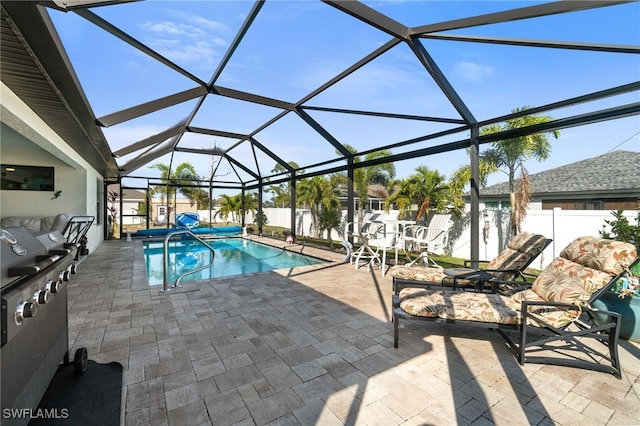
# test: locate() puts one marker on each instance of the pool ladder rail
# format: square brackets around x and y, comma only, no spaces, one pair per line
[165,258]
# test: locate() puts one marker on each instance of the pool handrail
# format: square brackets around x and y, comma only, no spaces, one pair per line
[165,258]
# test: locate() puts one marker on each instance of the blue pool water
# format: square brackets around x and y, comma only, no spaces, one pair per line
[233,256]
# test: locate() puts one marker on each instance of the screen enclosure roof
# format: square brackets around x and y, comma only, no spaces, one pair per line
[251,92]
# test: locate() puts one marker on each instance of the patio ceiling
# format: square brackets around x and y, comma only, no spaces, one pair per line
[36,67]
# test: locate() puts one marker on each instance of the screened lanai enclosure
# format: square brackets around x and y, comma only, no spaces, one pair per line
[267,93]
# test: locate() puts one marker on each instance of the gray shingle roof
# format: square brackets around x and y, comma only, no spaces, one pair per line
[617,171]
[127,193]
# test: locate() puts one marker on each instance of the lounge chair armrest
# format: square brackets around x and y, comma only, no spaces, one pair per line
[527,303]
[610,314]
[519,275]
[467,262]
[525,313]
[508,287]
[513,271]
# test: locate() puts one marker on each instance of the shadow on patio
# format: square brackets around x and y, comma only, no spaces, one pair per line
[313,345]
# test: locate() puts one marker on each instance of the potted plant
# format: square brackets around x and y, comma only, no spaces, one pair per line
[624,298]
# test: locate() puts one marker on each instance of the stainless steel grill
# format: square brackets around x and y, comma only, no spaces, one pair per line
[35,268]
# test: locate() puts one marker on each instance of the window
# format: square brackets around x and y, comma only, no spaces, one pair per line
[497,205]
[588,205]
[27,178]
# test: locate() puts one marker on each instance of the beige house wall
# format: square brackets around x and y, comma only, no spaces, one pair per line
[181,205]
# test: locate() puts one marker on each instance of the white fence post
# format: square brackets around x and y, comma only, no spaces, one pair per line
[557,211]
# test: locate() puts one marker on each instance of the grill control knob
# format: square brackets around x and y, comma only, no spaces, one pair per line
[52,286]
[64,275]
[72,268]
[25,310]
[40,297]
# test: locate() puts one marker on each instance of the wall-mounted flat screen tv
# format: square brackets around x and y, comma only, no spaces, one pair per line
[26,178]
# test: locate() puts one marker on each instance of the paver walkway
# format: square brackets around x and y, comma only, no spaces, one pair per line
[313,346]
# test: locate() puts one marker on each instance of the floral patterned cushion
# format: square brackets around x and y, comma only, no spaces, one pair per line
[421,302]
[479,307]
[601,254]
[584,266]
[417,273]
[568,282]
[520,251]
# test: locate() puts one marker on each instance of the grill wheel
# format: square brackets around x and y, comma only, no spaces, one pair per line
[80,361]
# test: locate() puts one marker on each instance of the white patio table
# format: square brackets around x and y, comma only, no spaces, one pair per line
[391,238]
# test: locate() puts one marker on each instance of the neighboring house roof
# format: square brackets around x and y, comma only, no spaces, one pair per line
[132,194]
[612,173]
[127,194]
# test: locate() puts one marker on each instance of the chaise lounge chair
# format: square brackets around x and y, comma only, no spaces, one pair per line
[556,309]
[509,265]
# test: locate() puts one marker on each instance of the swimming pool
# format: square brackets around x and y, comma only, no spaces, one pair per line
[233,256]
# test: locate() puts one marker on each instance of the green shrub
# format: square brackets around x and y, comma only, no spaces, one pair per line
[622,230]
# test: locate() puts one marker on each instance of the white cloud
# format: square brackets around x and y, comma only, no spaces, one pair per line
[189,39]
[209,24]
[166,27]
[471,71]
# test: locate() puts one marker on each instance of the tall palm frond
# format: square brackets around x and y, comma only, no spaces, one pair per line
[523,198]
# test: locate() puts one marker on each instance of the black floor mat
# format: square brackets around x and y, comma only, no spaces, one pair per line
[91,399]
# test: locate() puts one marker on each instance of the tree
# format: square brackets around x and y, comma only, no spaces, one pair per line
[231,206]
[328,219]
[316,192]
[112,209]
[260,219]
[177,180]
[426,188]
[250,202]
[198,197]
[282,192]
[364,176]
[621,229]
[509,155]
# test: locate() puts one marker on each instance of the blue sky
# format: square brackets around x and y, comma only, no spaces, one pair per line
[295,46]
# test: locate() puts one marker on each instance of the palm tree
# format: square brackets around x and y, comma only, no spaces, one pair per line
[250,202]
[316,193]
[282,192]
[509,155]
[199,197]
[428,189]
[231,206]
[364,176]
[184,174]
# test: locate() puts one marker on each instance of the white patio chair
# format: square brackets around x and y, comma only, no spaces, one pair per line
[428,239]
[370,255]
[375,237]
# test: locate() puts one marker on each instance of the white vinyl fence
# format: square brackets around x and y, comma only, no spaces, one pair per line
[562,226]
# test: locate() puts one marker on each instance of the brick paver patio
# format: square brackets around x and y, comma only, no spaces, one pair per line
[313,346]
